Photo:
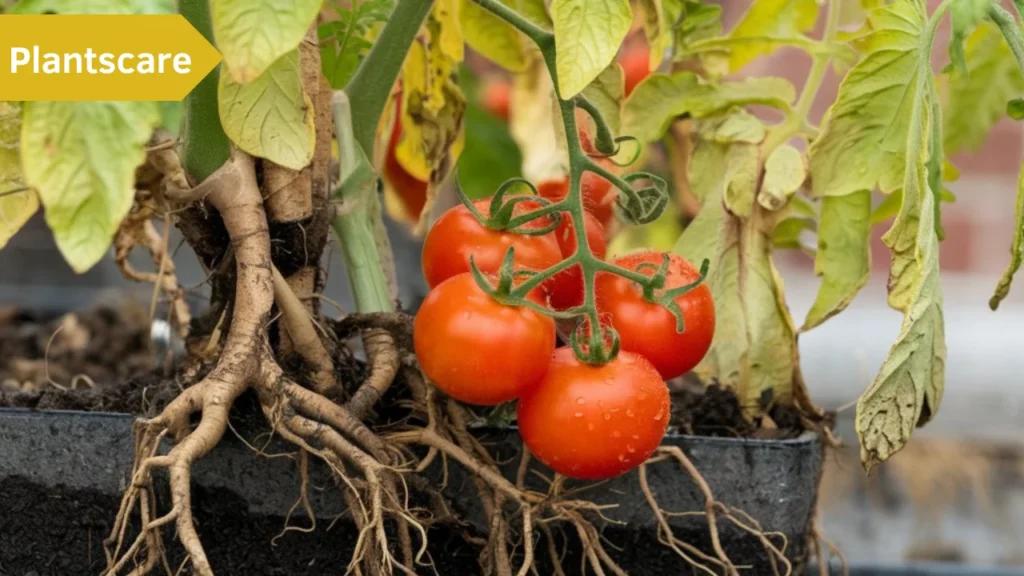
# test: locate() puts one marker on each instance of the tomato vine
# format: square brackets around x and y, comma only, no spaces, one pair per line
[638,205]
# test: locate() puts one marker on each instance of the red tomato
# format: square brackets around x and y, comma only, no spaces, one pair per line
[650,329]
[567,286]
[594,422]
[477,350]
[496,98]
[598,194]
[636,63]
[457,235]
[411,190]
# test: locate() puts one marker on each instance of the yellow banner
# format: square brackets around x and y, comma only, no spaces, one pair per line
[101,57]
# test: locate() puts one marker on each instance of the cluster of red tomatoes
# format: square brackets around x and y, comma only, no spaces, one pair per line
[582,420]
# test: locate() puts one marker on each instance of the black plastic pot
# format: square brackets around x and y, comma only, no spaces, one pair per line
[62,474]
[775,482]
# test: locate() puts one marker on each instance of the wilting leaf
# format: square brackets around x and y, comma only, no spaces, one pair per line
[909,387]
[253,34]
[17,202]
[271,117]
[1016,250]
[768,23]
[965,15]
[81,159]
[491,36]
[660,99]
[588,34]
[784,174]
[863,138]
[534,125]
[843,259]
[976,101]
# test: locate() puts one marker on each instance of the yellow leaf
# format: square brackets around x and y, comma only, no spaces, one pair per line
[768,23]
[536,123]
[492,37]
[450,42]
[17,202]
[588,34]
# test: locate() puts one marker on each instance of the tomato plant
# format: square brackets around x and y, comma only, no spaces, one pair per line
[566,288]
[594,422]
[477,350]
[645,326]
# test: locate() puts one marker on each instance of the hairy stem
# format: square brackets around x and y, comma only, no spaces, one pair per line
[206,147]
[358,209]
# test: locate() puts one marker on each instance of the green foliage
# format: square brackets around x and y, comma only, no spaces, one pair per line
[784,174]
[253,34]
[345,41]
[661,98]
[490,157]
[1016,250]
[843,258]
[93,7]
[966,15]
[975,101]
[492,37]
[768,24]
[271,117]
[81,159]
[587,37]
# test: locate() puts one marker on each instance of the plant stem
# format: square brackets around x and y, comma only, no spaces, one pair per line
[369,88]
[796,122]
[1011,31]
[206,147]
[355,217]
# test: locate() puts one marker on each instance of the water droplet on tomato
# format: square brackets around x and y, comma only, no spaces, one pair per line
[636,436]
[616,434]
[629,412]
[579,414]
[622,457]
[607,416]
[630,448]
[581,400]
[590,426]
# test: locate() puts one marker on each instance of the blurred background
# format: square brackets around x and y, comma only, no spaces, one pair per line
[956,493]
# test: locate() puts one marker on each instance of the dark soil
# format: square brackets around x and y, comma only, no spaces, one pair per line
[60,532]
[716,411]
[102,347]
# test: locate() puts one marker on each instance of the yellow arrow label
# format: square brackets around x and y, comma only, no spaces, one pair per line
[101,57]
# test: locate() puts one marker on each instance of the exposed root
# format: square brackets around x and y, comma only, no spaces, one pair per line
[137,230]
[304,338]
[383,358]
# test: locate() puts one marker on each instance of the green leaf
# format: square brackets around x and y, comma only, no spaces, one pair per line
[784,174]
[490,156]
[1015,108]
[491,36]
[843,259]
[770,22]
[93,7]
[271,117]
[863,139]
[17,202]
[608,92]
[789,233]
[909,387]
[253,34]
[660,99]
[1016,250]
[965,15]
[81,159]
[588,34]
[740,179]
[975,102]
[657,30]
[738,126]
[535,11]
[344,42]
[888,208]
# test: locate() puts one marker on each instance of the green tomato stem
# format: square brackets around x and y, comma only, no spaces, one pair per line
[1011,31]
